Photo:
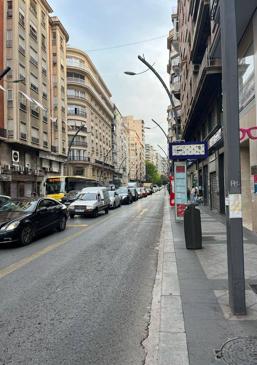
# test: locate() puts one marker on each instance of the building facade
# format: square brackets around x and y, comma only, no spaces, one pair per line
[27,157]
[136,147]
[174,70]
[201,98]
[120,148]
[90,118]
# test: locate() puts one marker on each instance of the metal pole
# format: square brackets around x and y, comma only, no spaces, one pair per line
[167,138]
[167,91]
[235,251]
[105,157]
[4,72]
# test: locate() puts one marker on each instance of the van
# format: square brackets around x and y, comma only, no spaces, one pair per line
[90,201]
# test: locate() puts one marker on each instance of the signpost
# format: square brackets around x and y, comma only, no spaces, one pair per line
[180,172]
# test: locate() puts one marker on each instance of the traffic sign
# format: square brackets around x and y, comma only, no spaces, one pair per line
[188,150]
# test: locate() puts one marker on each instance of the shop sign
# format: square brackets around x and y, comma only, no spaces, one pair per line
[180,189]
[215,138]
[188,150]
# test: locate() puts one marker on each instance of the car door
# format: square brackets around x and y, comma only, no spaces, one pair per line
[42,219]
[53,210]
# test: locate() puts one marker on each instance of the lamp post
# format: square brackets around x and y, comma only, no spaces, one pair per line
[104,160]
[235,243]
[150,67]
[4,72]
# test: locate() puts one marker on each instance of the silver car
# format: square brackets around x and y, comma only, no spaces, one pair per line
[115,199]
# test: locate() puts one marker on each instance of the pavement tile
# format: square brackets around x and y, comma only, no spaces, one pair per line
[172,320]
[173,349]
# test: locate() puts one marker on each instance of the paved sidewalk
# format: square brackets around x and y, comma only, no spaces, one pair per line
[190,316]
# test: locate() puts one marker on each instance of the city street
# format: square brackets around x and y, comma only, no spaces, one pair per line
[82,296]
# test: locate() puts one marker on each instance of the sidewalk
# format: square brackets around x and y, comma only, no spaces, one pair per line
[190,316]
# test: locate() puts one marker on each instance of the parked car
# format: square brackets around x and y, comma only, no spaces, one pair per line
[139,192]
[115,199]
[125,194]
[22,220]
[4,199]
[143,192]
[90,201]
[70,197]
[134,193]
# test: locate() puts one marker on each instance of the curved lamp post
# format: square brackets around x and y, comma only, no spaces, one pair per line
[150,67]
[104,160]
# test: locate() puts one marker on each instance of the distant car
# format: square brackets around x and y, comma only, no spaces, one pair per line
[4,199]
[134,193]
[22,220]
[70,197]
[115,199]
[125,194]
[144,192]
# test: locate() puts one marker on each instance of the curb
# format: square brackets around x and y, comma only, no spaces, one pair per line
[166,343]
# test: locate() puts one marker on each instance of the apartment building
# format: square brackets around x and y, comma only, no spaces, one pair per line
[27,156]
[150,153]
[201,97]
[120,148]
[156,159]
[136,148]
[174,70]
[90,117]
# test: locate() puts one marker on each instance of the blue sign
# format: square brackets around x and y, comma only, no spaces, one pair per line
[188,150]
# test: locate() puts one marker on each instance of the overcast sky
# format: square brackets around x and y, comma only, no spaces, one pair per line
[96,24]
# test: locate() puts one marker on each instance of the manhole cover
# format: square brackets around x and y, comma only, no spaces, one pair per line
[239,351]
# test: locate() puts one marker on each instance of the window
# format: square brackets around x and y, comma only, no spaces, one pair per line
[9,95]
[43,19]
[34,110]
[22,72]
[54,39]
[74,93]
[44,90]
[23,131]
[9,38]
[34,135]
[22,45]
[61,43]
[45,139]
[77,110]
[33,57]
[9,9]
[43,42]
[21,18]
[34,82]
[33,7]
[44,66]
[74,61]
[33,31]
[22,102]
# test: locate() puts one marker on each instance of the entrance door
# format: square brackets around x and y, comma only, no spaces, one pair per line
[214,189]
[221,184]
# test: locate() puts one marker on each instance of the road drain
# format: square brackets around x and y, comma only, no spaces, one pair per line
[239,351]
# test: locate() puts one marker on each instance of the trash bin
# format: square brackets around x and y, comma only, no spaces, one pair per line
[192,228]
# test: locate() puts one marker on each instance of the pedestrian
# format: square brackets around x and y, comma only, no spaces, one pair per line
[193,195]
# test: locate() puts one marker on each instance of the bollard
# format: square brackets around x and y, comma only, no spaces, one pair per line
[192,228]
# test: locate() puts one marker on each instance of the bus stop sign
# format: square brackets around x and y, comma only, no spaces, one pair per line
[188,150]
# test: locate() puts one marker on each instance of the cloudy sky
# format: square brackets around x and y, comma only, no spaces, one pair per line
[96,24]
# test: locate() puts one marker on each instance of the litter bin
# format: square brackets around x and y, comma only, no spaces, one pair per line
[192,228]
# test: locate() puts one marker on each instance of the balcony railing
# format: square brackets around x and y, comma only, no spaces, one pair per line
[76,80]
[80,144]
[78,114]
[79,158]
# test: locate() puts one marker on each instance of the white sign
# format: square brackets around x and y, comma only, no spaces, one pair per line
[235,206]
[215,138]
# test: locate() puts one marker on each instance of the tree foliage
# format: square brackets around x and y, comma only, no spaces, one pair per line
[152,174]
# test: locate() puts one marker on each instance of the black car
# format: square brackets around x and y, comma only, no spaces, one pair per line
[70,197]
[22,220]
[125,194]
[134,193]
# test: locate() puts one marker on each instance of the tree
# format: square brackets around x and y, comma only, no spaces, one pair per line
[152,175]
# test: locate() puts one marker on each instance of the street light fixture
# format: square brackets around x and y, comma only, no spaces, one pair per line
[150,67]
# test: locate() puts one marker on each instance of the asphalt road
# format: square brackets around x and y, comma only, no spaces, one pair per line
[82,296]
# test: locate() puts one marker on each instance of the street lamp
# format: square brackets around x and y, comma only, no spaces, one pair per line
[150,67]
[104,160]
[72,140]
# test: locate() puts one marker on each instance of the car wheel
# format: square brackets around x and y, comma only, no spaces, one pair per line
[61,224]
[26,235]
[72,216]
[95,213]
[106,211]
[114,205]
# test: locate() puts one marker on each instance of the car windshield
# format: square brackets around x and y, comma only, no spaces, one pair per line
[122,191]
[71,194]
[19,206]
[88,196]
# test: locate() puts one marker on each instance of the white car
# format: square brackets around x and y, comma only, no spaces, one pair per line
[115,199]
[90,201]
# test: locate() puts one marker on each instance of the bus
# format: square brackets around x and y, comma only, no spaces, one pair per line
[58,186]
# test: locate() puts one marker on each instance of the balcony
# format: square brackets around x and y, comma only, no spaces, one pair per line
[77,113]
[201,31]
[76,80]
[79,144]
[35,140]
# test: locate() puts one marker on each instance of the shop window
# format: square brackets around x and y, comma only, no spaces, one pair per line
[246,78]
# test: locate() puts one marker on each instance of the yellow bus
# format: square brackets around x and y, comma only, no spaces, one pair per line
[58,186]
